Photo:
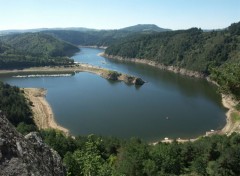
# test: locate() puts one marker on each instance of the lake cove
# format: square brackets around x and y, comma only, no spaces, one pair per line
[168,105]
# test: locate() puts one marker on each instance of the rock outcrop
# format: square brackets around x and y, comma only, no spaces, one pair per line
[116,76]
[171,68]
[27,155]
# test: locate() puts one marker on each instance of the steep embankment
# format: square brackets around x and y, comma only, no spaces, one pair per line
[34,49]
[27,155]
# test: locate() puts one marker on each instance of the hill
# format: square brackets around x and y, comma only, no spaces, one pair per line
[215,53]
[102,37]
[144,28]
[90,37]
[39,44]
[34,49]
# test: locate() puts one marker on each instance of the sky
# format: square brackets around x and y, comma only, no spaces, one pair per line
[115,14]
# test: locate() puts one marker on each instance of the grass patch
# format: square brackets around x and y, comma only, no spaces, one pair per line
[238,106]
[235,116]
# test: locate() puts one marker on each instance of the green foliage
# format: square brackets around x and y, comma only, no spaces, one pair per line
[58,141]
[93,155]
[26,128]
[132,158]
[235,116]
[34,49]
[238,107]
[228,77]
[167,158]
[89,159]
[14,105]
[38,44]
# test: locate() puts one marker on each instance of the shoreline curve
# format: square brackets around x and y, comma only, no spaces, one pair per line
[42,112]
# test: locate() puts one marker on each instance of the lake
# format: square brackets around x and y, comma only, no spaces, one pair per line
[168,105]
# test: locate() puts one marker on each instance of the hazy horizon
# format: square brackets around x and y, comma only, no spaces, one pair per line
[84,27]
[109,14]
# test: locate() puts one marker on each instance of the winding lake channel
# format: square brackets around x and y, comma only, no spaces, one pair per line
[168,105]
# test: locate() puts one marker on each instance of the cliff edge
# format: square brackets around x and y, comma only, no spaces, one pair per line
[27,155]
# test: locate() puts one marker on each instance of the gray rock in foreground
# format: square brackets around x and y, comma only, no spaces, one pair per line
[28,155]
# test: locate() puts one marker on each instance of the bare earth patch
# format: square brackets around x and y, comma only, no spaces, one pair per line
[42,112]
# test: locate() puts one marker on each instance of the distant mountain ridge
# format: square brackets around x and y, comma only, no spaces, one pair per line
[103,37]
[144,28]
[87,37]
[135,28]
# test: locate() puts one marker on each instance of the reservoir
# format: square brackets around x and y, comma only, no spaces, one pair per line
[168,105]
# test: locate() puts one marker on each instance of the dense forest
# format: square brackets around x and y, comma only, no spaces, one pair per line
[102,37]
[94,155]
[16,108]
[34,49]
[214,53]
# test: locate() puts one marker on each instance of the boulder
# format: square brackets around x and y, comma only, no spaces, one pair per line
[27,155]
[138,81]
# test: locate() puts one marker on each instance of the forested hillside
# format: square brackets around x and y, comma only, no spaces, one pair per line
[34,49]
[14,105]
[102,37]
[215,53]
[107,156]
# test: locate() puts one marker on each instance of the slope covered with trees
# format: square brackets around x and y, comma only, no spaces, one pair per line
[215,53]
[102,37]
[34,49]
[14,105]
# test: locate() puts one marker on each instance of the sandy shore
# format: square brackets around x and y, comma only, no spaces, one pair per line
[42,112]
[231,126]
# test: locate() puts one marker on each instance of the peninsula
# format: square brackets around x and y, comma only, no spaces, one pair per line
[75,68]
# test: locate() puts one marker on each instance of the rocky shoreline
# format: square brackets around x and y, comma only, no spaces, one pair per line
[174,69]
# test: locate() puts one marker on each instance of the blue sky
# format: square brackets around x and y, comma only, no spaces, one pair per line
[114,14]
